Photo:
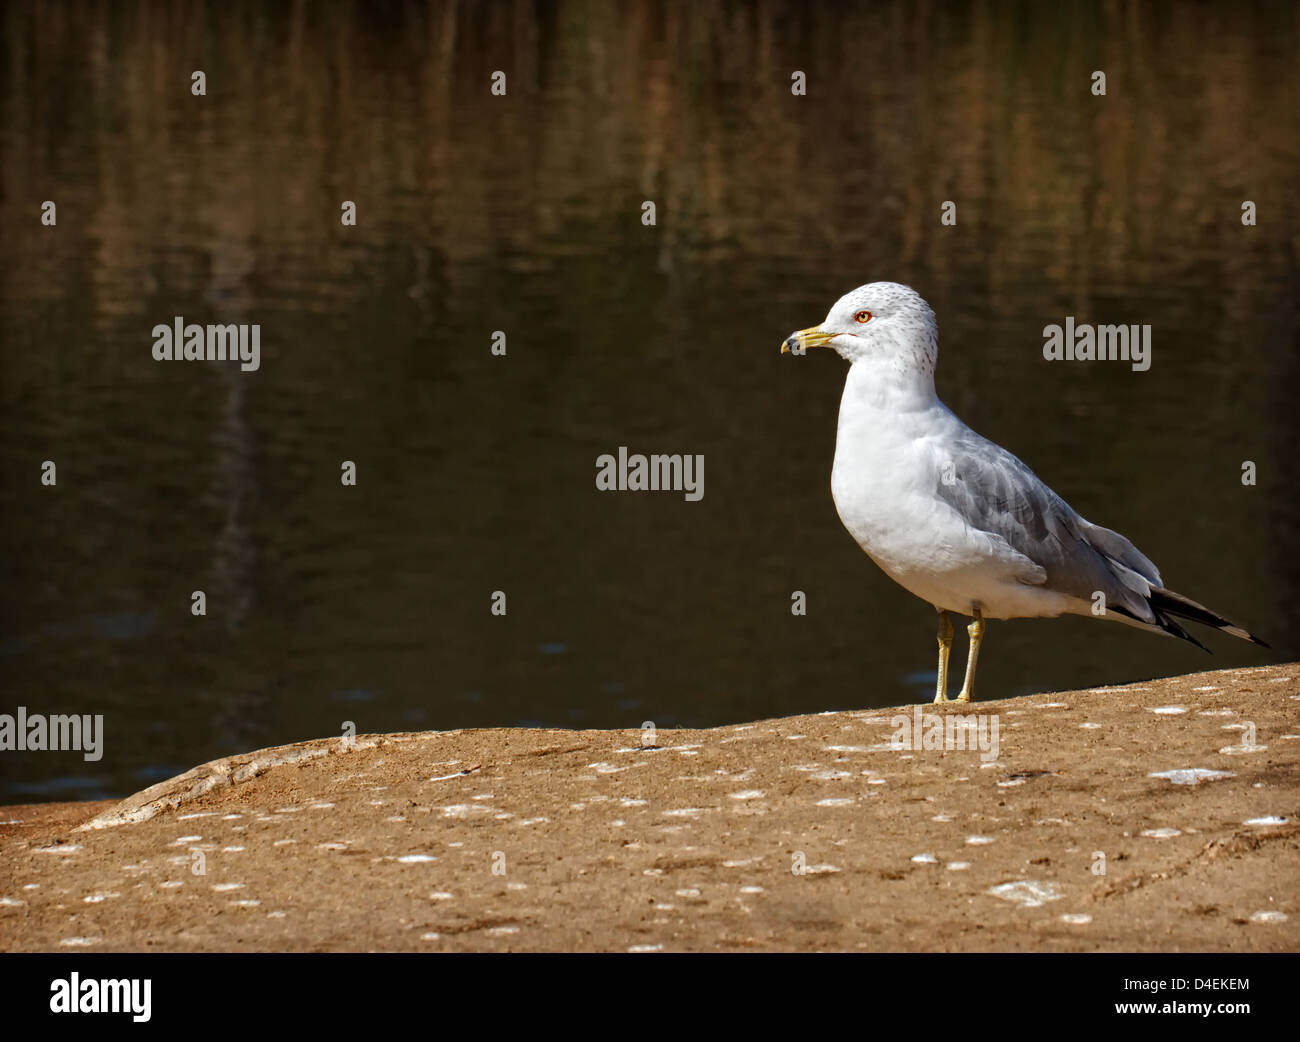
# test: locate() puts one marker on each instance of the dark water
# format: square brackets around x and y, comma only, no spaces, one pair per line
[523,214]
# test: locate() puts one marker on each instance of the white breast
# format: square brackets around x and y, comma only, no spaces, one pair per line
[889,459]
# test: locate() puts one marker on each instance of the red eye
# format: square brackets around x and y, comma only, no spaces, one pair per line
[862,316]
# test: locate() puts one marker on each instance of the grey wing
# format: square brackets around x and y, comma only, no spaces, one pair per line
[994,492]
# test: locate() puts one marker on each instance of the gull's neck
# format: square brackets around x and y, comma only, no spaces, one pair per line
[887,388]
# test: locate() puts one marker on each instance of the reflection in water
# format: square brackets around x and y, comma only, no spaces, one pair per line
[523,214]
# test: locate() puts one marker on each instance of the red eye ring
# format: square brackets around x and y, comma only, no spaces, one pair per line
[862,316]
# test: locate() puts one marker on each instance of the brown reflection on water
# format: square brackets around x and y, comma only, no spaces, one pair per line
[479,213]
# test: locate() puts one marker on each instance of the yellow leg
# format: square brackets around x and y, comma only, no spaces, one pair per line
[976,631]
[945,646]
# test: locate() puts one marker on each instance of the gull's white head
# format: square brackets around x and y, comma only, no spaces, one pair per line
[882,324]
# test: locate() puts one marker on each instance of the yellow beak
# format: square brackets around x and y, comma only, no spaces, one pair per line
[800,342]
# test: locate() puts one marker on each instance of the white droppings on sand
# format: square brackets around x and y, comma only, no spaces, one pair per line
[287,810]
[31,886]
[1268,917]
[196,814]
[94,899]
[978,841]
[1028,893]
[836,801]
[80,942]
[223,887]
[1206,687]
[820,870]
[925,859]
[684,812]
[1190,775]
[284,842]
[1162,833]
[639,949]
[533,821]
[1076,918]
[831,775]
[1272,819]
[502,931]
[185,839]
[57,848]
[1244,749]
[739,863]
[248,902]
[1011,783]
[415,859]
[1167,710]
[1090,726]
[9,902]
[276,914]
[747,794]
[322,806]
[442,895]
[752,890]
[689,891]
[171,884]
[231,850]
[1217,712]
[957,866]
[1053,705]
[942,817]
[331,846]
[231,817]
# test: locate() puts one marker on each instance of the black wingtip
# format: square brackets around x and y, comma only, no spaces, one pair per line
[1187,636]
[1171,627]
[1165,603]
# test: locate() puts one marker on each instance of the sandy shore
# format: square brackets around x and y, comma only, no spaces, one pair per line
[804,833]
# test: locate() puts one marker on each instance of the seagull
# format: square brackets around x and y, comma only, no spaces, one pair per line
[955,519]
